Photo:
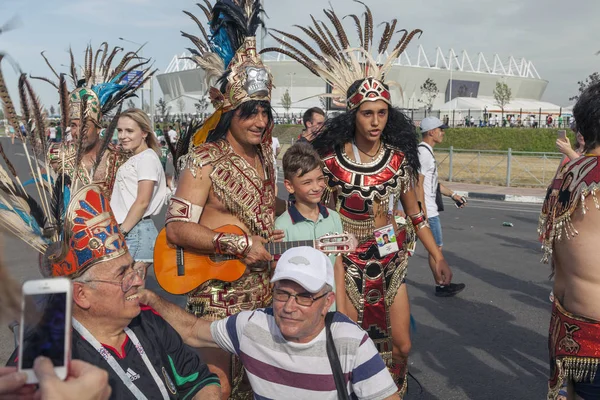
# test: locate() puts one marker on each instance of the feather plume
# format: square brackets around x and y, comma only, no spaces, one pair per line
[290,55]
[63,93]
[38,117]
[41,78]
[49,65]
[197,21]
[359,29]
[94,67]
[60,199]
[200,45]
[124,61]
[73,68]
[206,9]
[25,110]
[339,63]
[339,28]
[106,67]
[88,63]
[300,42]
[83,130]
[108,134]
[9,109]
[104,46]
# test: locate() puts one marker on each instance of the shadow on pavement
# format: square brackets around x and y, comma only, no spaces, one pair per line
[487,356]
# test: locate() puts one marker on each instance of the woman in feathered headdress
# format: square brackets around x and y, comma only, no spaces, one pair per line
[371,162]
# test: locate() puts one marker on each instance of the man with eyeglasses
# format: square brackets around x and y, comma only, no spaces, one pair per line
[145,357]
[283,348]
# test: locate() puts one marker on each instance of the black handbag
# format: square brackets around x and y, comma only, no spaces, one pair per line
[334,361]
[438,198]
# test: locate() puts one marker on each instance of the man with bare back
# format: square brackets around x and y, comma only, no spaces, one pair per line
[569,233]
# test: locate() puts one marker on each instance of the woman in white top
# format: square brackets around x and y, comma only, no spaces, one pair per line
[140,188]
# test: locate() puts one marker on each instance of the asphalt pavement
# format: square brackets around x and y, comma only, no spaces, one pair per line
[489,342]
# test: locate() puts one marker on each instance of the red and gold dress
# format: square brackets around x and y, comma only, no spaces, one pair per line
[372,281]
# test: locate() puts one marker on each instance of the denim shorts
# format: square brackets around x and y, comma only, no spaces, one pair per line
[436,229]
[140,241]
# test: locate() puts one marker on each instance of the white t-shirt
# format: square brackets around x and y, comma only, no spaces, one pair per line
[275,144]
[172,136]
[145,166]
[52,133]
[279,369]
[430,182]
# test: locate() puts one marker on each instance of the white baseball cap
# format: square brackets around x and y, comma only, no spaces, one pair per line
[306,266]
[430,123]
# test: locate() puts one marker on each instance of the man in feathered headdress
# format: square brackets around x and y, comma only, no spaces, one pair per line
[227,177]
[84,156]
[78,238]
[371,162]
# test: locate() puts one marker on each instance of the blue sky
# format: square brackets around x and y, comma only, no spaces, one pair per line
[560,39]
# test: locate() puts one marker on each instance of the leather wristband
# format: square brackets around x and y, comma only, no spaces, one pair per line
[235,245]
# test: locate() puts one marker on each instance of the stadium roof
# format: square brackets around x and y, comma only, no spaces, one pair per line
[488,103]
[519,67]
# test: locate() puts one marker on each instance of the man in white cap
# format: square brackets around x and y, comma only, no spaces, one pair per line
[430,192]
[284,348]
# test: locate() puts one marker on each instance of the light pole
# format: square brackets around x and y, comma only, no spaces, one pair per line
[141,51]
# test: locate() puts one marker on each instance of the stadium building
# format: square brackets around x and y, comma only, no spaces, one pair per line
[466,84]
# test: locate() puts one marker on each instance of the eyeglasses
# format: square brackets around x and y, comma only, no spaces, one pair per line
[127,281]
[302,299]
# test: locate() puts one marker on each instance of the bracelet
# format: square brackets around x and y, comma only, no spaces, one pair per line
[123,231]
[229,243]
[419,221]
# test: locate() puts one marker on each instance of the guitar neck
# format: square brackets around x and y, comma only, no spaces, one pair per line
[277,248]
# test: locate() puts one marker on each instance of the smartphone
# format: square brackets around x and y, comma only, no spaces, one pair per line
[562,134]
[46,325]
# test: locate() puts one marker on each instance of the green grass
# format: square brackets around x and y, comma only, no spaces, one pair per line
[518,139]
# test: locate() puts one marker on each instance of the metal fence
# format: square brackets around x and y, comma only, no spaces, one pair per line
[503,168]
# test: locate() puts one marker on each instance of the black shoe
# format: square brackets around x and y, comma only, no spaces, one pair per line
[449,290]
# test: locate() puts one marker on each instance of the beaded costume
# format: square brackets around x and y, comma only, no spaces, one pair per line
[228,52]
[372,280]
[97,92]
[573,340]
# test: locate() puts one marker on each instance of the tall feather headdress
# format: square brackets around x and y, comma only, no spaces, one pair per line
[105,82]
[71,233]
[341,63]
[227,54]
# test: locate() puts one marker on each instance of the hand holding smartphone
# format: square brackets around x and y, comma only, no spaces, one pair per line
[45,325]
[562,134]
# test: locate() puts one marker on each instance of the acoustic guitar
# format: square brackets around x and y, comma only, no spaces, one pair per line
[180,271]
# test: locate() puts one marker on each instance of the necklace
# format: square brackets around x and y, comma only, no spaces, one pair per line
[367,154]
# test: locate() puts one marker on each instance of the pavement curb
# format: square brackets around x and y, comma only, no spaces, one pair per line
[502,197]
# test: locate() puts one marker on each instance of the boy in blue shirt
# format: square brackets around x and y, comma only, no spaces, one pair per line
[306,218]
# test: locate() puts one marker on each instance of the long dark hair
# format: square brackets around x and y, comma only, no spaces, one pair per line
[587,115]
[399,132]
[246,110]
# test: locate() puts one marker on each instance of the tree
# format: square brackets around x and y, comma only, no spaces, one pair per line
[130,104]
[163,108]
[429,91]
[502,95]
[181,105]
[286,101]
[1,114]
[52,111]
[201,105]
[590,80]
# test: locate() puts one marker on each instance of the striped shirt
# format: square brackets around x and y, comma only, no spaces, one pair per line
[279,369]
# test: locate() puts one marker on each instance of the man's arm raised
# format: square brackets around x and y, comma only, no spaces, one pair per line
[194,331]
